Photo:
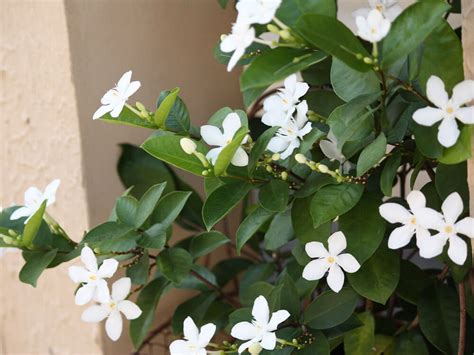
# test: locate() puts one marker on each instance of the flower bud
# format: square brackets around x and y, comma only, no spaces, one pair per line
[255,349]
[7,239]
[323,168]
[285,34]
[140,106]
[188,145]
[368,60]
[300,158]
[284,175]
[276,157]
[272,28]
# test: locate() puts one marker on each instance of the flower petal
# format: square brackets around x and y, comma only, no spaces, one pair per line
[212,135]
[190,330]
[295,143]
[50,191]
[448,132]
[300,90]
[121,288]
[230,125]
[84,294]
[330,150]
[278,144]
[428,116]
[394,213]
[243,331]
[206,333]
[431,246]
[400,236]
[108,268]
[436,92]
[21,212]
[348,262]
[124,81]
[179,347]
[89,259]
[466,226]
[452,208]
[290,82]
[129,309]
[78,274]
[315,269]
[234,59]
[335,278]
[428,218]
[213,154]
[240,158]
[260,310]
[32,196]
[277,318]
[95,314]
[102,293]
[268,341]
[113,325]
[416,200]
[246,345]
[463,92]
[316,250]
[102,110]
[132,88]
[457,250]
[465,114]
[337,243]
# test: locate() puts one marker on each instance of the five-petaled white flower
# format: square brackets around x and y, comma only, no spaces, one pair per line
[114,100]
[447,109]
[111,310]
[284,102]
[257,11]
[331,260]
[414,221]
[291,132]
[34,198]
[92,277]
[262,328]
[241,37]
[448,229]
[374,27]
[330,148]
[195,340]
[212,135]
[389,8]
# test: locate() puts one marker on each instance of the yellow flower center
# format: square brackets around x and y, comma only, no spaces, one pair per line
[448,229]
[112,305]
[379,7]
[413,221]
[373,30]
[450,110]
[93,277]
[330,259]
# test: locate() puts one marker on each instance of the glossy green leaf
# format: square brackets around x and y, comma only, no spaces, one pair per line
[452,178]
[332,201]
[389,172]
[227,154]
[285,296]
[126,209]
[303,223]
[165,106]
[360,341]
[371,155]
[35,266]
[147,203]
[206,242]
[410,343]
[411,28]
[291,10]
[274,195]
[169,207]
[129,118]
[222,200]
[280,231]
[138,272]
[174,264]
[250,225]
[195,308]
[111,236]
[412,282]
[32,226]
[333,37]
[260,146]
[459,152]
[154,237]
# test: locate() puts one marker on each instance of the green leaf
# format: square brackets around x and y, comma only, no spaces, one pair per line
[360,341]
[167,148]
[279,232]
[349,83]
[291,10]
[277,64]
[195,308]
[165,106]
[378,277]
[427,141]
[206,242]
[332,201]
[459,152]
[330,309]
[147,203]
[34,267]
[274,195]
[322,102]
[303,223]
[111,236]
[333,37]
[250,293]
[412,281]
[32,226]
[410,343]
[129,118]
[223,3]
[438,310]
[319,346]
[219,116]
[452,178]
[285,296]
[227,154]
[174,263]
[138,272]
[389,172]
[250,225]
[371,155]
[139,169]
[169,207]
[147,301]
[411,28]
[260,146]
[363,227]
[222,200]
[126,209]
[154,237]
[351,121]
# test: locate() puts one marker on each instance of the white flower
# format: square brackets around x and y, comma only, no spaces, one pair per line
[195,340]
[257,11]
[447,109]
[414,221]
[212,135]
[114,100]
[111,310]
[92,277]
[34,198]
[330,148]
[282,104]
[331,260]
[188,145]
[374,27]
[389,8]
[448,230]
[241,37]
[292,130]
[262,328]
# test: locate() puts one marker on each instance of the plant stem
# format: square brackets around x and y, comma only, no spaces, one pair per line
[462,319]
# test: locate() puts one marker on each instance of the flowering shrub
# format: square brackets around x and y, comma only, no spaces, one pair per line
[330,253]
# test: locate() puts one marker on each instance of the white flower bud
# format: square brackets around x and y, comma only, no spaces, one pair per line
[276,157]
[188,145]
[284,175]
[300,158]
[255,349]
[323,168]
